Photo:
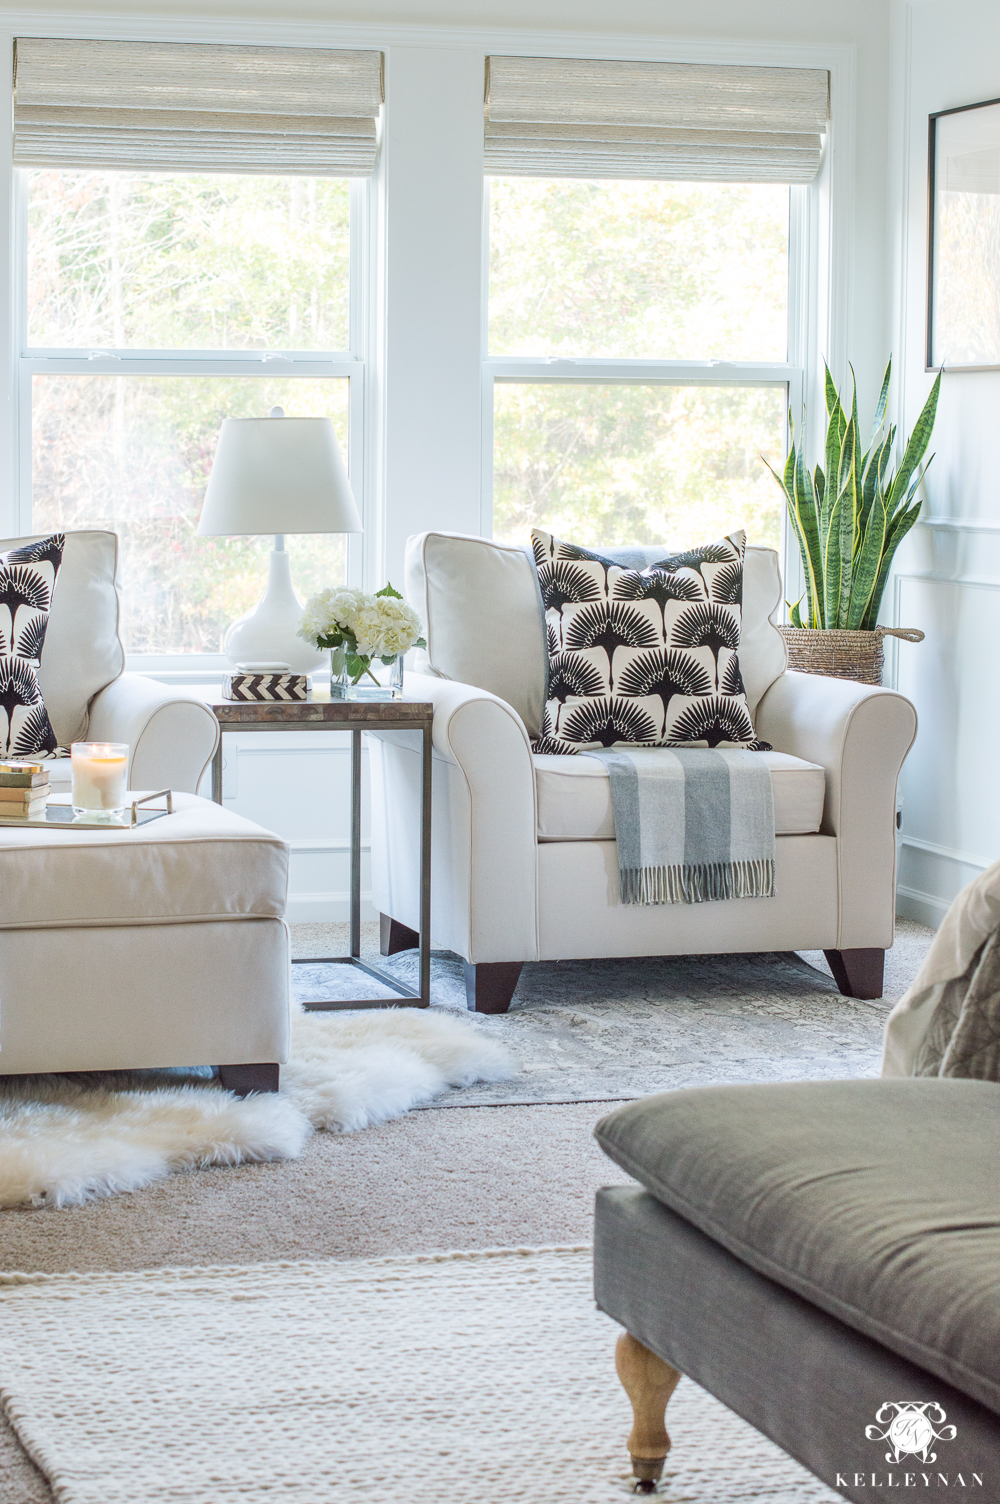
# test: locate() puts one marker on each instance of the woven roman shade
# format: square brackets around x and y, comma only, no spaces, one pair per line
[165,106]
[578,118]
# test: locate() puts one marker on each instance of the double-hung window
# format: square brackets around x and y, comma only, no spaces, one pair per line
[191,228]
[645,228]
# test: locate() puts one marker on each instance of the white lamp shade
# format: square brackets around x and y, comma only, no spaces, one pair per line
[278,475]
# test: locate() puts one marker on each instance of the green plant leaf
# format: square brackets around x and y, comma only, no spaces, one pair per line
[795,615]
[836,429]
[883,399]
[832,566]
[805,510]
[848,524]
[842,536]
[874,470]
[787,481]
[851,537]
[869,483]
[357,665]
[847,450]
[388,590]
[802,513]
[915,484]
[916,447]
[850,517]
[897,530]
[869,561]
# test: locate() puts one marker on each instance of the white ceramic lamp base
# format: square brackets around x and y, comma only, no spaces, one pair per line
[267,634]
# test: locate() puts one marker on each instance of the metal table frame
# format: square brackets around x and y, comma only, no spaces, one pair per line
[354,716]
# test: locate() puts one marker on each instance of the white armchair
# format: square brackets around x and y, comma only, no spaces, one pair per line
[171,736]
[524,858]
[160,946]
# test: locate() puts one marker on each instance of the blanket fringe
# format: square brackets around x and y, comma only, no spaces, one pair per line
[704,882]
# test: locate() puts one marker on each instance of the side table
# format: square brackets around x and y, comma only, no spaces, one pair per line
[354,716]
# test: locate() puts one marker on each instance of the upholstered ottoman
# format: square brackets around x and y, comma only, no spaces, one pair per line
[159,946]
[824,1257]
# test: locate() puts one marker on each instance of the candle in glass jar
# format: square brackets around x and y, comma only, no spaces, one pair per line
[100,775]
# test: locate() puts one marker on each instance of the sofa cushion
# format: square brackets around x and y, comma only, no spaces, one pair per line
[643,656]
[201,862]
[484,621]
[83,652]
[574,797]
[28,576]
[879,1201]
[763,654]
[483,615]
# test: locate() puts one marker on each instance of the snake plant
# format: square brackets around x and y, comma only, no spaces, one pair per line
[850,519]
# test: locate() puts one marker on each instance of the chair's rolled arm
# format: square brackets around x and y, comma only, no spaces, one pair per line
[483,863]
[172,735]
[860,734]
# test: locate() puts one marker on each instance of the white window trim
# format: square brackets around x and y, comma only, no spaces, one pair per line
[830,220]
[789,374]
[302,364]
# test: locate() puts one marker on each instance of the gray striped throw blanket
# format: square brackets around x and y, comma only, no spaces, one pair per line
[692,825]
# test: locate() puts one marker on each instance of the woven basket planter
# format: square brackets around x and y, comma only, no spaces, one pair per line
[841,654]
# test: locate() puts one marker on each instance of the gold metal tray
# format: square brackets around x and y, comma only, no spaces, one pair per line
[62,816]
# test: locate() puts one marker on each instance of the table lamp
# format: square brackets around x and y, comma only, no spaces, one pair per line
[276,475]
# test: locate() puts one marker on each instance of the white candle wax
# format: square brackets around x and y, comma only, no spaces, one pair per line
[100,775]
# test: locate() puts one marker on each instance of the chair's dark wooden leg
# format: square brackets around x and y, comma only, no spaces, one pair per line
[243,1079]
[649,1383]
[394,936]
[489,985]
[858,973]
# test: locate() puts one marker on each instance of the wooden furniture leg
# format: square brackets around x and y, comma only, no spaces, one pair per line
[489,985]
[394,936]
[858,973]
[649,1383]
[243,1079]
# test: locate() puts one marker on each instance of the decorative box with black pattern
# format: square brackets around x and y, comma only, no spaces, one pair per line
[265,687]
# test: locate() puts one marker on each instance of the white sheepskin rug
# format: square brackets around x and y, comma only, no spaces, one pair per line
[67,1140]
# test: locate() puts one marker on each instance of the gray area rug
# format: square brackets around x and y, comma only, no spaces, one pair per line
[610,1030]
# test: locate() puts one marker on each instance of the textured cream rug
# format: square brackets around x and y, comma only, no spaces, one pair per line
[474,1378]
[594,1031]
[65,1140]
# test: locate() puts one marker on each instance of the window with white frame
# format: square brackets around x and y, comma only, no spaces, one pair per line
[159,299]
[644,226]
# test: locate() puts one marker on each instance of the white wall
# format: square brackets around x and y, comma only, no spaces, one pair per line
[945,53]
[433,185]
[427,252]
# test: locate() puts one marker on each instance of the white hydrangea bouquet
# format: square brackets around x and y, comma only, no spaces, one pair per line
[359,628]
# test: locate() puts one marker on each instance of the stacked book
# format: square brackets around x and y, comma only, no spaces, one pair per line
[24,788]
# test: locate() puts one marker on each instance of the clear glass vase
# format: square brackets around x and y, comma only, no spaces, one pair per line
[380,681]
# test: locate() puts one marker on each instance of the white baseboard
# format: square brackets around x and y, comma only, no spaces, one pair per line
[326,908]
[925,908]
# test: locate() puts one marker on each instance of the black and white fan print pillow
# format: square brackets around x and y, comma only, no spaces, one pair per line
[27,580]
[643,657]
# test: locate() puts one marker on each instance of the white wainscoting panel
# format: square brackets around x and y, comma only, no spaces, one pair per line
[298,783]
[943,54]
[951,828]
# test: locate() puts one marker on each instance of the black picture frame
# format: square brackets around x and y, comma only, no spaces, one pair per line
[940,273]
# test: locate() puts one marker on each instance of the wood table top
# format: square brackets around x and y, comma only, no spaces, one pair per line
[311,712]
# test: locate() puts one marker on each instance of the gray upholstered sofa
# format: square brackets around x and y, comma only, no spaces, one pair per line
[824,1257]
